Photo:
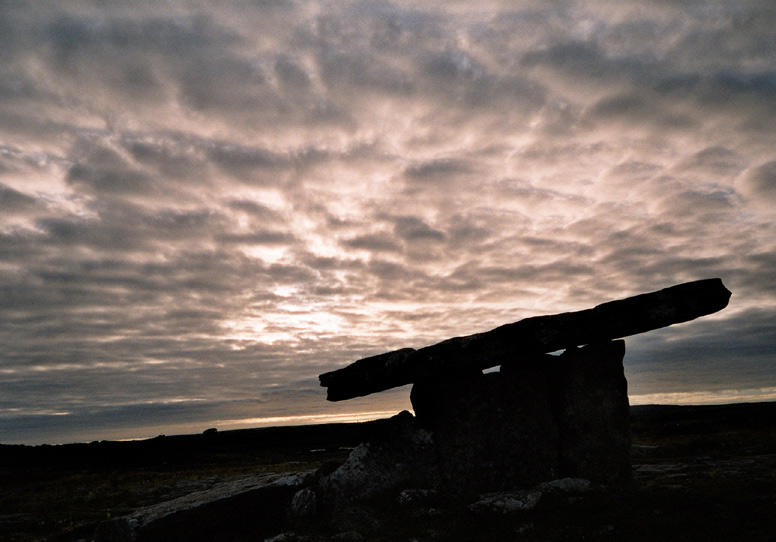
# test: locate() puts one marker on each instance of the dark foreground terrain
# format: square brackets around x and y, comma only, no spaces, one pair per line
[699,473]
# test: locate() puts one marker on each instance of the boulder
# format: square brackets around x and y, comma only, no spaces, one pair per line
[348,536]
[502,503]
[304,506]
[402,456]
[249,507]
[565,485]
[15,523]
[377,471]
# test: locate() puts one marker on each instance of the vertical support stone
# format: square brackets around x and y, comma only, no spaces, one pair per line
[548,417]
[491,433]
[593,413]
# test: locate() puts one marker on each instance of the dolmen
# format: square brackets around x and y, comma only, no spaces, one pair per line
[483,446]
[542,417]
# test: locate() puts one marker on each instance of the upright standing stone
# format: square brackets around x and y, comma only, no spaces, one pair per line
[593,414]
[491,432]
[546,418]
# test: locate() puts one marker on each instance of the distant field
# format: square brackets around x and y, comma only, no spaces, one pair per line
[707,472]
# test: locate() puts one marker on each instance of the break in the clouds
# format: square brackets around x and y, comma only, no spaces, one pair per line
[204,207]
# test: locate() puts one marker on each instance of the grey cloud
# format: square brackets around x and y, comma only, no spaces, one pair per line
[716,159]
[666,83]
[642,109]
[391,271]
[291,74]
[635,170]
[13,201]
[69,34]
[175,224]
[191,59]
[170,158]
[375,242]
[341,70]
[127,227]
[460,78]
[548,245]
[109,180]
[748,95]
[77,304]
[699,205]
[411,237]
[347,56]
[670,267]
[223,82]
[411,229]
[719,29]
[285,273]
[90,233]
[754,273]
[15,160]
[562,271]
[585,59]
[465,233]
[252,208]
[151,167]
[523,190]
[454,64]
[242,161]
[73,35]
[259,166]
[558,117]
[337,223]
[423,66]
[133,55]
[437,170]
[759,183]
[658,361]
[258,238]
[340,262]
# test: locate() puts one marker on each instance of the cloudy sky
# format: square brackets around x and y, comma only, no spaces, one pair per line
[205,205]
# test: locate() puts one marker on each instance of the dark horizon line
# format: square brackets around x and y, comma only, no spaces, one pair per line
[634,409]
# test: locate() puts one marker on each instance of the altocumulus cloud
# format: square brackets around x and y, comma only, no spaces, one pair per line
[202,209]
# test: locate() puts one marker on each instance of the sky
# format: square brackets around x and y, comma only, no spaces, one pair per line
[204,205]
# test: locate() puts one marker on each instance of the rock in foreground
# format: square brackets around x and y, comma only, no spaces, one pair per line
[253,506]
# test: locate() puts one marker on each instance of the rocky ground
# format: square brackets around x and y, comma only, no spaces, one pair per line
[699,473]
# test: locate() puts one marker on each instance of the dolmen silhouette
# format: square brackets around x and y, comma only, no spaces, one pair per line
[543,427]
[541,417]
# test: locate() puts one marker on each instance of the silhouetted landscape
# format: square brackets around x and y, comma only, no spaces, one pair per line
[204,208]
[699,473]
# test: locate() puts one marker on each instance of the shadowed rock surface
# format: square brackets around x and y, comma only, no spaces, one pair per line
[516,342]
[540,418]
[253,506]
[593,414]
[700,474]
[549,417]
[403,457]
